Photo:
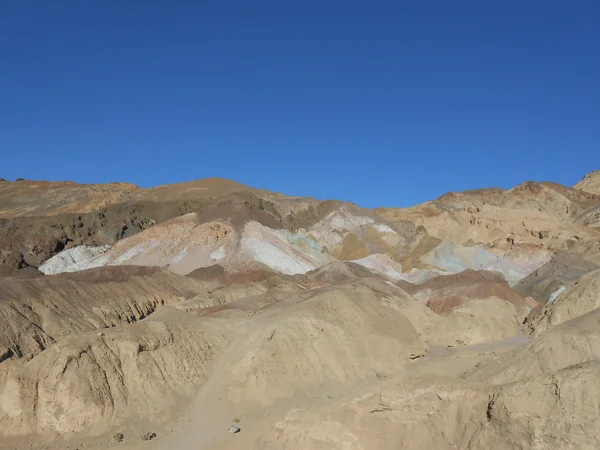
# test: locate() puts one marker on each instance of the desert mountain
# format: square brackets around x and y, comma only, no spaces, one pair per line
[126,314]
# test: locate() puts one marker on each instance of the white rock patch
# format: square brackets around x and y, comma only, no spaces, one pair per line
[282,250]
[418,276]
[275,258]
[75,259]
[383,264]
[555,295]
[453,258]
[179,256]
[331,230]
[218,254]
[129,254]
[382,228]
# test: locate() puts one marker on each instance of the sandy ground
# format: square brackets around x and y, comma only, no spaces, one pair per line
[203,424]
[204,420]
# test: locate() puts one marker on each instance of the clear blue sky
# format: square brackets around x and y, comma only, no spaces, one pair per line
[380,103]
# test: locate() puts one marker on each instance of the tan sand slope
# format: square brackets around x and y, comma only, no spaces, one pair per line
[96,379]
[365,337]
[590,183]
[44,198]
[538,396]
[40,198]
[569,344]
[547,279]
[534,214]
[272,339]
[551,411]
[579,297]
[37,312]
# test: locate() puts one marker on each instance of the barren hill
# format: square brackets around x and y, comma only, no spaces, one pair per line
[162,318]
[590,183]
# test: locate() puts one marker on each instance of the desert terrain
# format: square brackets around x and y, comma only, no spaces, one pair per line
[209,315]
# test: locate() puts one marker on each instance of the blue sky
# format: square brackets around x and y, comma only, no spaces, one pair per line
[380,103]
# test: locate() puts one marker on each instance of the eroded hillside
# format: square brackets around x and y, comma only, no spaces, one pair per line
[173,313]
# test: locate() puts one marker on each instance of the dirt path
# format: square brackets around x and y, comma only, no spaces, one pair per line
[205,421]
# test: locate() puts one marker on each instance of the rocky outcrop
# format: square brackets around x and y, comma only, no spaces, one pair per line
[444,293]
[560,270]
[27,242]
[551,411]
[590,183]
[580,297]
[569,344]
[531,214]
[96,379]
[36,313]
